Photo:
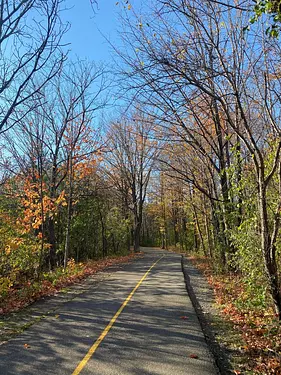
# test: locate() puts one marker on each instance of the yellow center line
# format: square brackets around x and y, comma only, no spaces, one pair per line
[94,347]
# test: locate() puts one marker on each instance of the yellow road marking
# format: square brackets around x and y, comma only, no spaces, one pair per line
[94,347]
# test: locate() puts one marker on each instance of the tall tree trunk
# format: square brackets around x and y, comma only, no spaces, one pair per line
[52,242]
[269,248]
[137,233]
[239,178]
[69,211]
[207,228]
[176,232]
[103,233]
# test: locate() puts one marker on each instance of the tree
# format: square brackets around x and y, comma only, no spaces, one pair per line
[131,161]
[30,55]
[190,51]
[58,141]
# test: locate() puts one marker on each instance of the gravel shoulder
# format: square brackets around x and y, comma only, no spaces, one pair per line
[213,326]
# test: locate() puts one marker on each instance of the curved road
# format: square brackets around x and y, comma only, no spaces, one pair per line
[138,320]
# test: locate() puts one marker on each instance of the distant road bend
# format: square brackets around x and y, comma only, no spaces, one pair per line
[130,323]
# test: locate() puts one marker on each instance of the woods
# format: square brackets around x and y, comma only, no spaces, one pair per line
[213,90]
[192,163]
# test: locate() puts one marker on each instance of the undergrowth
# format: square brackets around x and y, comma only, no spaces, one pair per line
[257,327]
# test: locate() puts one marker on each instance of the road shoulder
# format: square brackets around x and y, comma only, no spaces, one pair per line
[203,301]
[14,323]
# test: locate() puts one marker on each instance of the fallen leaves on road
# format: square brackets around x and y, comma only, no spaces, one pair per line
[194,356]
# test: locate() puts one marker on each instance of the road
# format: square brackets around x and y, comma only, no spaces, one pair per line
[138,321]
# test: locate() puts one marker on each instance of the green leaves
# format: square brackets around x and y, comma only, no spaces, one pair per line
[272,9]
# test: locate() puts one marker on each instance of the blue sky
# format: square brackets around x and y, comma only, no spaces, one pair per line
[87,37]
[85,33]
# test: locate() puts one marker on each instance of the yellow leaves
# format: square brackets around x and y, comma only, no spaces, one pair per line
[12,245]
[61,199]
[129,7]
[181,54]
[15,243]
[71,265]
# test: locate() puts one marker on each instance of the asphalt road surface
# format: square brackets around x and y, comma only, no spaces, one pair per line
[138,321]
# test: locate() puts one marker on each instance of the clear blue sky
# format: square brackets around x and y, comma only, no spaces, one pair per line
[88,24]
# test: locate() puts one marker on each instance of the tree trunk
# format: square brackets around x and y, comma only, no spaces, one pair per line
[67,236]
[137,232]
[103,234]
[176,233]
[269,250]
[52,242]
[69,213]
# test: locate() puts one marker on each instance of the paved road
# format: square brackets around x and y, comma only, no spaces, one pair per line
[148,337]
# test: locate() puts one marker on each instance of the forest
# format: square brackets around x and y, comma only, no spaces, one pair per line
[191,162]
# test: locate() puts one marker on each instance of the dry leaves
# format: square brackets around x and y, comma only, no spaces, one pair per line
[194,356]
[18,298]
[260,330]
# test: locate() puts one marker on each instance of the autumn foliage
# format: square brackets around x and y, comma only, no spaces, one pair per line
[259,343]
[19,296]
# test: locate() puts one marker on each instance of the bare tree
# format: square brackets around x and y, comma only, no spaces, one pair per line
[193,51]
[58,135]
[30,54]
[131,162]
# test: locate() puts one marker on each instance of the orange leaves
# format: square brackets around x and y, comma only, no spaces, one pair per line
[259,330]
[61,199]
[85,168]
[37,205]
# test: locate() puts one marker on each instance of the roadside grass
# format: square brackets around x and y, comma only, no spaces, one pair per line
[251,334]
[20,296]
